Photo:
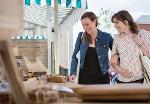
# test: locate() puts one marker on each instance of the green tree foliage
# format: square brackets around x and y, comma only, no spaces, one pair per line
[104,19]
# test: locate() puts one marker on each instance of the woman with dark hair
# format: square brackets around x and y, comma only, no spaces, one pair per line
[128,45]
[93,45]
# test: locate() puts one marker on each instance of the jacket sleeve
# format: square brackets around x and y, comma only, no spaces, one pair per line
[74,61]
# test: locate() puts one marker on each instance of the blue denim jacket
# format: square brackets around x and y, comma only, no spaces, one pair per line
[103,42]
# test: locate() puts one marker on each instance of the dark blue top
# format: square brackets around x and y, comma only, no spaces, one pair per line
[103,42]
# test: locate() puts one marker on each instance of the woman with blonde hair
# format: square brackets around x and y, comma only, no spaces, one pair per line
[93,45]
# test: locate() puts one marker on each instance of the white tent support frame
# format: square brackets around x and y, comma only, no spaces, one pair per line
[54,18]
[56,46]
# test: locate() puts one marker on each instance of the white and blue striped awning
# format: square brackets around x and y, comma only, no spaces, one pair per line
[38,14]
[30,37]
[35,13]
[67,3]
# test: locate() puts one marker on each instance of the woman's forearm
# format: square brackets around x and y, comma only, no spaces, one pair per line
[115,62]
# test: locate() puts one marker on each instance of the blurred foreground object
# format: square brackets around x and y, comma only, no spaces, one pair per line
[11,22]
[11,18]
[115,92]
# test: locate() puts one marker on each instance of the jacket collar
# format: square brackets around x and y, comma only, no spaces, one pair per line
[99,34]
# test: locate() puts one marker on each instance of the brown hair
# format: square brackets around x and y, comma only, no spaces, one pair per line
[124,15]
[92,17]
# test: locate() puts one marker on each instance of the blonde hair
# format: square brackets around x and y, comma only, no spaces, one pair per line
[85,36]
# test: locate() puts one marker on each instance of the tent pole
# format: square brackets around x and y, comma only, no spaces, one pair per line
[56,39]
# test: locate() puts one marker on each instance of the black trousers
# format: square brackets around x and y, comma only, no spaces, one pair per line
[136,81]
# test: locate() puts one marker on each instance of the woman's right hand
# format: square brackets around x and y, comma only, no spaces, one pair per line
[72,78]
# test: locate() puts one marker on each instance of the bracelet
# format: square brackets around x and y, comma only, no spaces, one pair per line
[140,45]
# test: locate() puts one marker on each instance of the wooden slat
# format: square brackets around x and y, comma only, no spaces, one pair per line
[9,64]
[115,92]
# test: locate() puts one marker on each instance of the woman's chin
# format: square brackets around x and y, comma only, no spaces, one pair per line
[88,32]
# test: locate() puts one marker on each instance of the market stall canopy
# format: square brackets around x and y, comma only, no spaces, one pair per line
[67,3]
[37,15]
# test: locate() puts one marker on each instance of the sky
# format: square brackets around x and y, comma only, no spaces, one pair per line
[135,7]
